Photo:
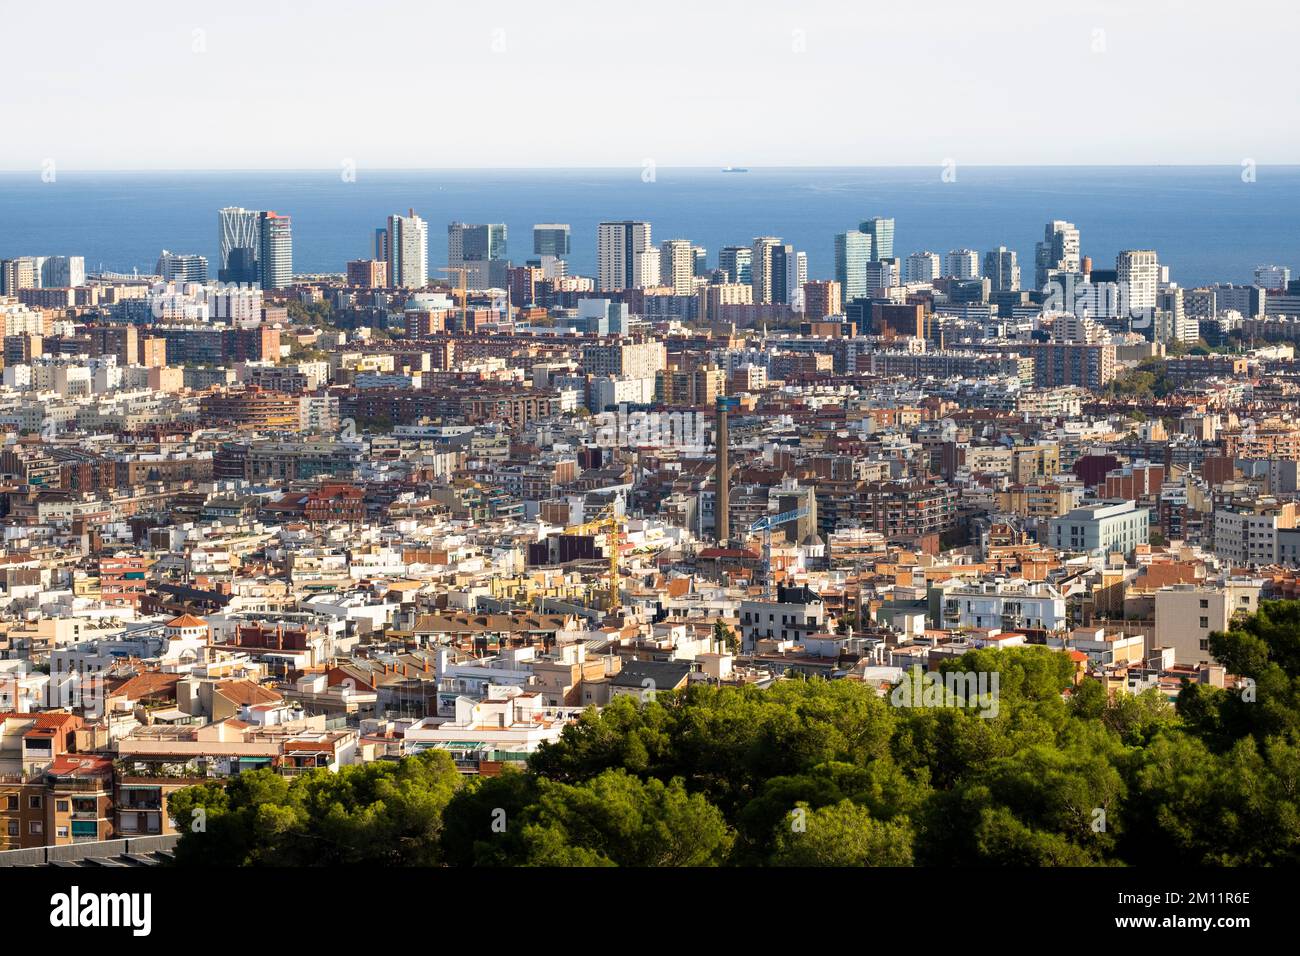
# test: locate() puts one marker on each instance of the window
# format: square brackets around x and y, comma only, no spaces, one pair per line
[36,827]
[1205,622]
[62,831]
[11,803]
[61,806]
[33,803]
[1205,602]
[1205,645]
[13,828]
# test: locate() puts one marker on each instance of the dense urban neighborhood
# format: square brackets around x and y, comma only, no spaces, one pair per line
[697,560]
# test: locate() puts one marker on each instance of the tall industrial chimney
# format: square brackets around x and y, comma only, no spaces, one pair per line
[722,475]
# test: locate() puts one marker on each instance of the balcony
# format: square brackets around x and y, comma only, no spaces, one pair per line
[142,803]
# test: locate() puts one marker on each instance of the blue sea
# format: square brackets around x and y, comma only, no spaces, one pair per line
[1206,222]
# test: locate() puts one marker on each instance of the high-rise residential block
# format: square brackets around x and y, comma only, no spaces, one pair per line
[621,259]
[1002,270]
[1058,252]
[408,251]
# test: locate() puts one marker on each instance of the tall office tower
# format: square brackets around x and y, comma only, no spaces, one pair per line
[240,243]
[821,299]
[1138,274]
[275,261]
[700,261]
[481,250]
[408,251]
[1058,252]
[852,253]
[63,272]
[175,267]
[1002,270]
[551,239]
[20,273]
[881,232]
[761,268]
[962,264]
[922,267]
[619,254]
[677,265]
[882,274]
[789,273]
[1272,278]
[738,263]
[380,251]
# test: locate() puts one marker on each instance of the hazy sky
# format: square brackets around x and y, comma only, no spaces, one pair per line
[405,84]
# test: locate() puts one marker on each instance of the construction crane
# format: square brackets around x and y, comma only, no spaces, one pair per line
[765,524]
[462,288]
[611,523]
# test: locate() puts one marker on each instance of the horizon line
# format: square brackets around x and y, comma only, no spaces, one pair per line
[635,166]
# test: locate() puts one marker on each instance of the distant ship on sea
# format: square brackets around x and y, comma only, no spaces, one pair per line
[734,169]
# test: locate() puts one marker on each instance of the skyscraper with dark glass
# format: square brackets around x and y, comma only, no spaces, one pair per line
[551,239]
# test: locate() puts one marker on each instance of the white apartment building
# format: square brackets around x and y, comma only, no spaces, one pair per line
[1007,604]
[1138,271]
[795,614]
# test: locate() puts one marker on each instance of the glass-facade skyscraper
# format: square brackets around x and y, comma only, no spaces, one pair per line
[852,253]
[551,239]
[881,232]
[256,248]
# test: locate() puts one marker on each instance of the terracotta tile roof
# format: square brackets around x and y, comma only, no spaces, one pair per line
[187,620]
[240,691]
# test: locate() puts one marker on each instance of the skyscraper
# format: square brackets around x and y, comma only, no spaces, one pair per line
[1058,252]
[20,273]
[407,246]
[240,242]
[256,247]
[1273,278]
[677,265]
[881,232]
[923,267]
[789,273]
[621,262]
[738,263]
[62,272]
[174,267]
[275,259]
[761,268]
[551,239]
[700,257]
[480,249]
[1002,270]
[962,264]
[1138,273]
[852,253]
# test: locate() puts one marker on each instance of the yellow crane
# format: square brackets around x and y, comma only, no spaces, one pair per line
[612,525]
